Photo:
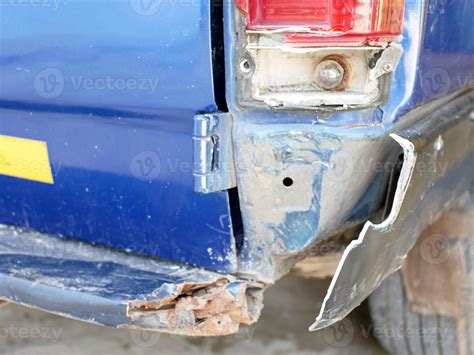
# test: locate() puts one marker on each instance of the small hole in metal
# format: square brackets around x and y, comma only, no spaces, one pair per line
[287,181]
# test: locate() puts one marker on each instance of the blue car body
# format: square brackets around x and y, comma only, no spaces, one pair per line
[112,87]
[113,93]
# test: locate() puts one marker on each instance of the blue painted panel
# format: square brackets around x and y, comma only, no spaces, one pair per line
[438,57]
[120,182]
[112,88]
[79,281]
[103,53]
[447,56]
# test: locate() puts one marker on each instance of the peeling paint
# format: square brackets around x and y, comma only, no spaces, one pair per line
[327,181]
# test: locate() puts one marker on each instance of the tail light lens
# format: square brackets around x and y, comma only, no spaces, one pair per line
[323,21]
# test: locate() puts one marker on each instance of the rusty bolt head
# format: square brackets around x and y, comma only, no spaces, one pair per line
[329,74]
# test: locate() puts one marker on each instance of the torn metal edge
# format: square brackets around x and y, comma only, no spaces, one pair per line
[217,309]
[162,296]
[409,160]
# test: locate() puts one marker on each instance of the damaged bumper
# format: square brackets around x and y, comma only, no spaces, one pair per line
[335,182]
[438,166]
[117,290]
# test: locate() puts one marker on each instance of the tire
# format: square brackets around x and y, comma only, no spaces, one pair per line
[398,328]
[401,331]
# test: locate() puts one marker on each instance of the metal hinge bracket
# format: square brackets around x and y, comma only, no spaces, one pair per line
[213,153]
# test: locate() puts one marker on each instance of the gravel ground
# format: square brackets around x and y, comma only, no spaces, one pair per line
[290,307]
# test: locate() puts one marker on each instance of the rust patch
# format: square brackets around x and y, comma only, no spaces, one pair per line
[347,71]
[214,309]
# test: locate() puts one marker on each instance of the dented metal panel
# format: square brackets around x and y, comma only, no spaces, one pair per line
[120,290]
[438,167]
[297,182]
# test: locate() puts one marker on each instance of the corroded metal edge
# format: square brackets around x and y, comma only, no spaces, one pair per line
[119,290]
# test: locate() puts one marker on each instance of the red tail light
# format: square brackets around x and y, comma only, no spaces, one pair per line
[338,21]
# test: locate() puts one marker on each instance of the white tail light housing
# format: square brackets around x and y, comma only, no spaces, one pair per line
[322,53]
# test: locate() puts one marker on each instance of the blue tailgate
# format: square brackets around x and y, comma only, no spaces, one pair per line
[112,88]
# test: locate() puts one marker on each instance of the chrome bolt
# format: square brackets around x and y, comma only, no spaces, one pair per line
[329,74]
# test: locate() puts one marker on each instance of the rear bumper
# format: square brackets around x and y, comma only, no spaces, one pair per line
[117,290]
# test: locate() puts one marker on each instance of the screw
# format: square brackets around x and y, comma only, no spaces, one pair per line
[388,67]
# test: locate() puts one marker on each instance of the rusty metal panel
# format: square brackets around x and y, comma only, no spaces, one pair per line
[120,290]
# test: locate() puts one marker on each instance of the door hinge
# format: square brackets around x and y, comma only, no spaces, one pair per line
[213,153]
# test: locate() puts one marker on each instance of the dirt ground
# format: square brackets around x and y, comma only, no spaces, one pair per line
[290,307]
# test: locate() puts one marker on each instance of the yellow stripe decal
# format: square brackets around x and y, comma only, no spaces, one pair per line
[25,159]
